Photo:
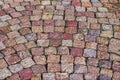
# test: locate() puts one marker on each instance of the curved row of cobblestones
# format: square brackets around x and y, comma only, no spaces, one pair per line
[59,40]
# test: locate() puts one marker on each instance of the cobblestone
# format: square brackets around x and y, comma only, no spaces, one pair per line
[27,62]
[4,73]
[15,68]
[59,40]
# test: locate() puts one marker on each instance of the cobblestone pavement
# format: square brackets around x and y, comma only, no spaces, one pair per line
[59,40]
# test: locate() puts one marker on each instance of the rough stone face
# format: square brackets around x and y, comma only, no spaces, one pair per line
[93,70]
[50,76]
[114,46]
[53,67]
[59,40]
[36,77]
[38,69]
[92,61]
[63,76]
[91,76]
[89,53]
[21,39]
[12,59]
[14,77]
[80,60]
[116,66]
[80,69]
[67,59]
[76,77]
[63,50]
[78,43]
[20,8]
[107,34]
[115,76]
[91,45]
[43,43]
[104,77]
[24,54]
[103,55]
[67,67]
[13,34]
[8,51]
[115,57]
[31,37]
[37,29]
[15,68]
[1,56]
[26,74]
[67,43]
[76,51]
[40,59]
[30,44]
[3,64]
[25,31]
[4,73]
[53,59]
[117,35]
[37,51]
[106,72]
[27,62]
[2,46]
[105,64]
[50,50]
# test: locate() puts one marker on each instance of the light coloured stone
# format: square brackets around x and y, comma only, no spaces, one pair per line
[106,72]
[56,17]
[45,2]
[82,18]
[1,3]
[37,29]
[67,67]
[27,62]
[20,39]
[107,34]
[80,9]
[102,9]
[66,42]
[29,0]
[15,27]
[80,60]
[2,24]
[114,57]
[106,27]
[2,46]
[15,68]
[20,8]
[114,46]
[35,18]
[4,73]
[43,43]
[76,77]
[114,21]
[47,16]
[50,50]
[13,34]
[49,76]
[40,59]
[5,17]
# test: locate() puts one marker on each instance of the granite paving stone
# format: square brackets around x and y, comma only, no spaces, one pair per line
[59,39]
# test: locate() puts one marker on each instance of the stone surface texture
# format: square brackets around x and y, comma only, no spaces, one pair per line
[59,39]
